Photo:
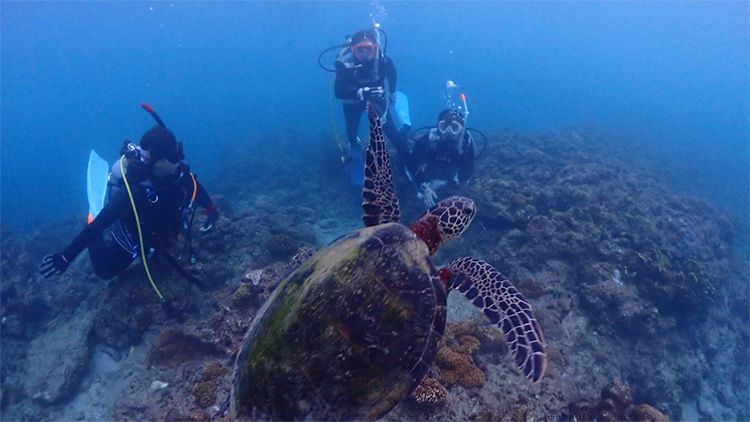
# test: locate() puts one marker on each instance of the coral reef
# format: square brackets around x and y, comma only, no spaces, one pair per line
[455,355]
[429,392]
[213,371]
[673,250]
[646,413]
[205,393]
[58,360]
[175,347]
[616,404]
[682,281]
[281,246]
[616,304]
[264,281]
[127,312]
[242,298]
[254,276]
[621,271]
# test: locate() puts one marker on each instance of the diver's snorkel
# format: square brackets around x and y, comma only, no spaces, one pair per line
[134,153]
[376,33]
[466,109]
[463,130]
[151,111]
[160,122]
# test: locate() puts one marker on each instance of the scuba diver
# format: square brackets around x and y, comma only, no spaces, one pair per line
[365,74]
[443,156]
[151,195]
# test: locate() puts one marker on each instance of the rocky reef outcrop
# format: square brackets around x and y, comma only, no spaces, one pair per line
[630,281]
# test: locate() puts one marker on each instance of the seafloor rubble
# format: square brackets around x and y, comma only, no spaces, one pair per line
[644,307]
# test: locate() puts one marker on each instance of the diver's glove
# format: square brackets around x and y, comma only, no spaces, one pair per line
[370,93]
[53,264]
[211,216]
[428,195]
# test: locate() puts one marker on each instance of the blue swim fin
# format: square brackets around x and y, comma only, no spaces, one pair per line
[402,108]
[96,184]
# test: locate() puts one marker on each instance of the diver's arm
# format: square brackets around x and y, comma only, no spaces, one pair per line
[202,198]
[466,163]
[209,209]
[344,86]
[418,160]
[417,156]
[425,192]
[116,208]
[390,74]
[106,217]
[58,263]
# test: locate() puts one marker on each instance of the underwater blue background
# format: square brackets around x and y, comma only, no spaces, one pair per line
[603,118]
[673,75]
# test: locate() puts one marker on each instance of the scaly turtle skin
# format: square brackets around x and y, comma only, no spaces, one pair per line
[354,330]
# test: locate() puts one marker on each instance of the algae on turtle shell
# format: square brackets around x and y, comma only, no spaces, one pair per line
[340,337]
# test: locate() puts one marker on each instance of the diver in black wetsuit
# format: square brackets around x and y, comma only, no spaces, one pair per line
[443,156]
[359,79]
[164,191]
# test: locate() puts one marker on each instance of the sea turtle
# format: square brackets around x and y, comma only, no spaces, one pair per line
[355,328]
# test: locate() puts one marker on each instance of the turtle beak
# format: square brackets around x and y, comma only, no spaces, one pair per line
[467,212]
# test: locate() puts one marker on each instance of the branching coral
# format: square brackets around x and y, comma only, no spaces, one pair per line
[205,393]
[455,356]
[213,371]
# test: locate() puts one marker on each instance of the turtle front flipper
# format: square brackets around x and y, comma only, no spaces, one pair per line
[490,291]
[380,202]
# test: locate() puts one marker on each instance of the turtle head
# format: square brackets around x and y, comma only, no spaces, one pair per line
[444,221]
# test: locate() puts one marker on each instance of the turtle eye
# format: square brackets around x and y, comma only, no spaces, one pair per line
[467,212]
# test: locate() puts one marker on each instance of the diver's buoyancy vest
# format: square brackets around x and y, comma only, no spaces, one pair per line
[156,217]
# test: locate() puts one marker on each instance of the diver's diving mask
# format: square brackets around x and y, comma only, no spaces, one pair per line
[145,156]
[365,50]
[449,126]
[135,153]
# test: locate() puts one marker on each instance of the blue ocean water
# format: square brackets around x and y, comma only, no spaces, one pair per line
[671,78]
[74,74]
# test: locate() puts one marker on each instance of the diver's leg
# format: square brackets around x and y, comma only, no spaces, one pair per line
[394,135]
[108,259]
[397,138]
[353,114]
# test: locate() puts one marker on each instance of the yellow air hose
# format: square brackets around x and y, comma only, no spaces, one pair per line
[140,233]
